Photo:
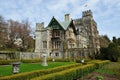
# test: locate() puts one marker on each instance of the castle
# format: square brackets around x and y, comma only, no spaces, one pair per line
[71,38]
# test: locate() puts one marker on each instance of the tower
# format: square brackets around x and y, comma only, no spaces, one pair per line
[38,43]
[43,39]
[92,32]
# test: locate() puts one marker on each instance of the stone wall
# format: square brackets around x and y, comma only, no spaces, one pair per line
[5,55]
[19,55]
[29,55]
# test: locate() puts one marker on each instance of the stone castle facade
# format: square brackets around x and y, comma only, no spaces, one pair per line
[68,39]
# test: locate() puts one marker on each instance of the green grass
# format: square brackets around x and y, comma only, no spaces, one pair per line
[103,71]
[27,67]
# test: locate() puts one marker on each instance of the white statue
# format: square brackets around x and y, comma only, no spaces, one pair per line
[44,63]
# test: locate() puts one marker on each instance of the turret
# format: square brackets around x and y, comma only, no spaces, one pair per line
[39,26]
[87,13]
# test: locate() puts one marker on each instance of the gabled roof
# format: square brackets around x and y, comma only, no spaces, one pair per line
[63,24]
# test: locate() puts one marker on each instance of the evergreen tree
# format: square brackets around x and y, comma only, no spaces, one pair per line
[114,40]
[118,41]
[113,52]
[104,41]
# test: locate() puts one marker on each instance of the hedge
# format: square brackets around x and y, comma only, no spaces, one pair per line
[73,73]
[29,75]
[40,60]
[48,59]
[7,62]
[70,74]
[85,60]
[63,72]
[93,61]
[31,60]
[99,64]
[60,60]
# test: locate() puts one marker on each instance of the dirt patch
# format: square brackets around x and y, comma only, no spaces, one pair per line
[92,76]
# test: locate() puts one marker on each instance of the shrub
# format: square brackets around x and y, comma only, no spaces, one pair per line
[59,59]
[7,62]
[112,52]
[31,60]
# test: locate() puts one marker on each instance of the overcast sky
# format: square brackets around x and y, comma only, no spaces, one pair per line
[105,12]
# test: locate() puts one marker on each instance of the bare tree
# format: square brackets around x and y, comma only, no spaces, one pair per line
[13,33]
[26,30]
[3,33]
[19,30]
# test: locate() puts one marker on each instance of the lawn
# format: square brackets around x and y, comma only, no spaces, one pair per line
[27,67]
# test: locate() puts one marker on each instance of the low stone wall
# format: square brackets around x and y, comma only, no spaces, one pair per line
[29,55]
[3,56]
[19,55]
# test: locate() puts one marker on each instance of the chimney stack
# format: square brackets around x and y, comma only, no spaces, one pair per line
[67,17]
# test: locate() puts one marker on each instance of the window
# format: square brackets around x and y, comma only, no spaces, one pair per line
[56,54]
[57,44]
[57,33]
[44,44]
[71,44]
[50,54]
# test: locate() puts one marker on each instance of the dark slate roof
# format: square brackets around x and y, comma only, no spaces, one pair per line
[63,24]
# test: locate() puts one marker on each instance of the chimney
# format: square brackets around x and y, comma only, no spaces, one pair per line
[67,16]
